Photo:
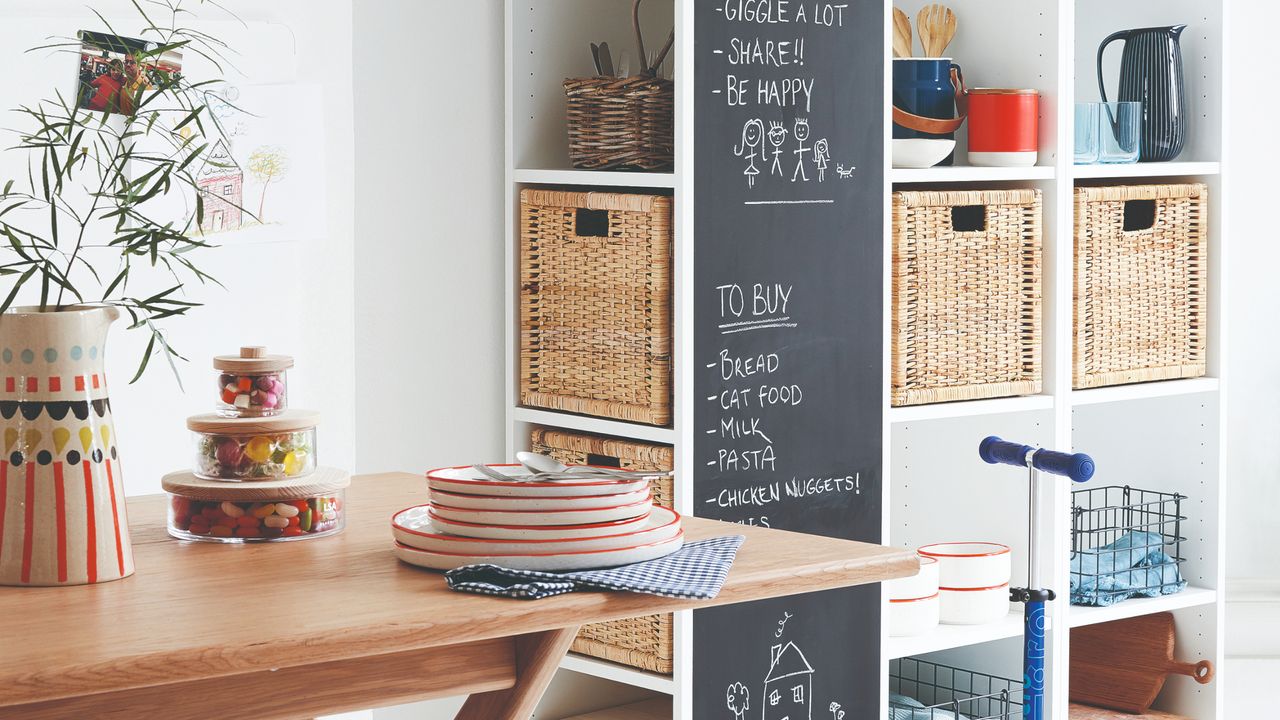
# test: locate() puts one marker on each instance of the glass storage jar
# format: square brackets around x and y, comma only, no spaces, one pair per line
[253,383]
[263,448]
[272,511]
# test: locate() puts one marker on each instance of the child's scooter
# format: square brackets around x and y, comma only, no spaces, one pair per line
[1079,467]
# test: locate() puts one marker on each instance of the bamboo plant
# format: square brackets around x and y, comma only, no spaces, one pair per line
[94,218]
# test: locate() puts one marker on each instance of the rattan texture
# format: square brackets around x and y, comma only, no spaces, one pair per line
[1140,295]
[643,642]
[595,311]
[966,304]
[621,123]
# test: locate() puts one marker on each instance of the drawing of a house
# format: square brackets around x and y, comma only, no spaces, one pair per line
[788,686]
[221,181]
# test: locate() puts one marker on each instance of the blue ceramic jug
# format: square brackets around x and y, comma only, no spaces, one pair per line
[924,89]
[1151,73]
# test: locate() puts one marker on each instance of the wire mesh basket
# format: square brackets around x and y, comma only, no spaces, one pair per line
[941,692]
[1125,542]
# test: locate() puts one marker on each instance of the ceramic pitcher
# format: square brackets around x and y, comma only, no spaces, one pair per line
[1151,73]
[62,510]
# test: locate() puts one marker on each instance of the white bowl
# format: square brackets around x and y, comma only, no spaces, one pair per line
[582,516]
[546,562]
[921,585]
[921,152]
[970,564]
[978,606]
[913,617]
[414,527]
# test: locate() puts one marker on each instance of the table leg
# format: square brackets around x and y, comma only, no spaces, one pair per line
[538,655]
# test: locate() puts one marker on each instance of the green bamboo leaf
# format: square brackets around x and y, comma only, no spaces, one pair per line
[146,357]
[8,301]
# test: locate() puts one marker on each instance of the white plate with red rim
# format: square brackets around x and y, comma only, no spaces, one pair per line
[568,502]
[582,516]
[538,532]
[468,480]
[545,561]
[414,527]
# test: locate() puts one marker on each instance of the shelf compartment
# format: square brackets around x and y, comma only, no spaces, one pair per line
[969,174]
[600,426]
[1145,170]
[1141,391]
[970,408]
[1081,615]
[947,637]
[597,178]
[618,673]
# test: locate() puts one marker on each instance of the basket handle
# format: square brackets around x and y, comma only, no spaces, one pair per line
[934,126]
[645,67]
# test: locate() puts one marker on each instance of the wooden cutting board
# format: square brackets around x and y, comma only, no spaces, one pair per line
[1122,665]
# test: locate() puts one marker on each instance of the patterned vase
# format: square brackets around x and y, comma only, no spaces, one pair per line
[62,510]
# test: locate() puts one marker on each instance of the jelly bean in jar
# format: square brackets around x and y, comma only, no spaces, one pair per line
[253,449]
[252,384]
[201,509]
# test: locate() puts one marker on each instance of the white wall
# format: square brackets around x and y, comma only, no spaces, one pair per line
[1253,396]
[297,296]
[429,168]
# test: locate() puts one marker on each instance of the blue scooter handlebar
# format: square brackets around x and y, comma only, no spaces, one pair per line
[1079,467]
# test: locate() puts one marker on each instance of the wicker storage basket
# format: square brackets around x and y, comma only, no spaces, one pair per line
[642,642]
[1140,293]
[966,295]
[620,123]
[595,304]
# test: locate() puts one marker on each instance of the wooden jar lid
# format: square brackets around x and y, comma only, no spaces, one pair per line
[324,481]
[251,360]
[287,421]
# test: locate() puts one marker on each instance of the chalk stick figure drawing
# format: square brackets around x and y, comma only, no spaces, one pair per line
[844,173]
[821,156]
[801,134]
[777,136]
[738,698]
[751,147]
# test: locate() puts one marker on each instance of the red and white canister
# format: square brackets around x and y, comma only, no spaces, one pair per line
[1004,127]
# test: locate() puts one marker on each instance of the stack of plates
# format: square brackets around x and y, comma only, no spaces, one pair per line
[551,526]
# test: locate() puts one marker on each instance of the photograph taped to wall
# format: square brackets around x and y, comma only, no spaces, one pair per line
[115,71]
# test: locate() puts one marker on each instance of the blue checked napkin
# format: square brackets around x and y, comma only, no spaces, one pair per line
[695,571]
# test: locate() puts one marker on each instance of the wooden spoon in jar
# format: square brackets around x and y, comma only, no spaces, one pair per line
[901,34]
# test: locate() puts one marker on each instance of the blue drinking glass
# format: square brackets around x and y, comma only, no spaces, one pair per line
[1086,133]
[1119,131]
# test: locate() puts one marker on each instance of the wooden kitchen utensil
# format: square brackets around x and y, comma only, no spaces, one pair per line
[1123,665]
[901,34]
[925,30]
[936,25]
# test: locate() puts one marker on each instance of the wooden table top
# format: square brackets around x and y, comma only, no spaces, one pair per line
[201,610]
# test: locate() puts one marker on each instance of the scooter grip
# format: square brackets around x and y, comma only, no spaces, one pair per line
[1078,466]
[995,451]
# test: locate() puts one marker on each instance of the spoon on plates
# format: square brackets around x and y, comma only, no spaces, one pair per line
[536,463]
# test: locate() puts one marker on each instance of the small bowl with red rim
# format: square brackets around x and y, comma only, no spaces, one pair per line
[970,565]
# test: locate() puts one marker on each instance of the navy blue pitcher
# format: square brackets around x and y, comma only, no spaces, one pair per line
[1150,73]
[925,90]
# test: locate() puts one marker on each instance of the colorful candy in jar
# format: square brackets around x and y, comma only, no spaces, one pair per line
[261,520]
[252,384]
[267,448]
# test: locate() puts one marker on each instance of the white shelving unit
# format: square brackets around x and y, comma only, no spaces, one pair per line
[1164,436]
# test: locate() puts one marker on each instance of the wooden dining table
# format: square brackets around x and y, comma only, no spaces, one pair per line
[298,629]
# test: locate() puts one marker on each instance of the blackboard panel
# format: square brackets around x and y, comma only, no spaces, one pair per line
[788,190]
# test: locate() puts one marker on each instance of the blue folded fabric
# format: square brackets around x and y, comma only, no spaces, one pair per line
[902,707]
[696,571]
[1135,565]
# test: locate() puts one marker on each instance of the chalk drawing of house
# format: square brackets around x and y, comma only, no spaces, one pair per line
[788,686]
[221,181]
